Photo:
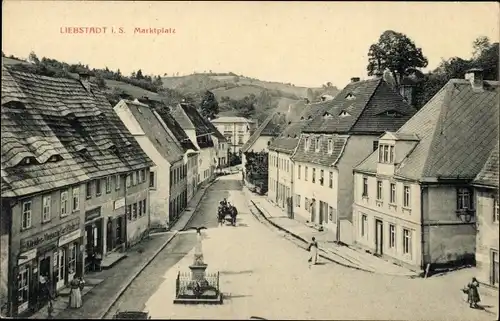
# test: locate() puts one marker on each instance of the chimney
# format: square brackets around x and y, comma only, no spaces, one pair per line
[475,77]
[84,78]
[355,79]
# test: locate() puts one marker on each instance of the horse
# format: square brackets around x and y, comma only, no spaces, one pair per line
[233,213]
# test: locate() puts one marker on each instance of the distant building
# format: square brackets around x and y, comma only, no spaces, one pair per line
[167,179]
[236,130]
[221,144]
[65,159]
[486,191]
[413,198]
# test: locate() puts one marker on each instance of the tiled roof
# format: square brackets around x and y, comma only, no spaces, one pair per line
[488,176]
[44,117]
[196,119]
[232,119]
[457,128]
[275,123]
[176,130]
[154,130]
[289,137]
[215,131]
[322,156]
[361,107]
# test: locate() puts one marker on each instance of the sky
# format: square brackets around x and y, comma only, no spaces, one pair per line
[304,43]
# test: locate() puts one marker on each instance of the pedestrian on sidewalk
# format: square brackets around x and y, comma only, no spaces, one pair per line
[75,295]
[473,293]
[313,250]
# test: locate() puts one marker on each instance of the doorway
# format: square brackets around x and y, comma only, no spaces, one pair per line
[109,235]
[60,268]
[379,239]
[119,230]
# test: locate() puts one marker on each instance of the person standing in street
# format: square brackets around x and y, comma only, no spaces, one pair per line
[75,296]
[473,293]
[313,250]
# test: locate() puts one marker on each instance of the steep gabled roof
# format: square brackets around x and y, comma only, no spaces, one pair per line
[161,139]
[275,123]
[69,132]
[361,107]
[457,130]
[176,130]
[231,119]
[321,156]
[214,131]
[488,176]
[289,137]
[199,123]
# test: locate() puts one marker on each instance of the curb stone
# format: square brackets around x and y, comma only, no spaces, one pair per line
[148,262]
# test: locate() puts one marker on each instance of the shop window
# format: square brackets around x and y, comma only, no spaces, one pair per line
[64,203]
[129,212]
[46,208]
[23,281]
[76,198]
[72,258]
[26,215]
[134,211]
[118,182]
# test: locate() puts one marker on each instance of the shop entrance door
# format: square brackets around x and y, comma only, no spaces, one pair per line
[72,261]
[60,258]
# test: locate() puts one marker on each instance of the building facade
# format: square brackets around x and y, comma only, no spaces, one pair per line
[334,141]
[236,130]
[486,191]
[49,159]
[414,202]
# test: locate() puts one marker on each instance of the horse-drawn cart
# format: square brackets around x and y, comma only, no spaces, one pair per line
[227,214]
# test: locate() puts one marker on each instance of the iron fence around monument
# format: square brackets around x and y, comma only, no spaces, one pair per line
[184,282]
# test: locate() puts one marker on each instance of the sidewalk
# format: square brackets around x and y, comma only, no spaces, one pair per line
[104,288]
[342,255]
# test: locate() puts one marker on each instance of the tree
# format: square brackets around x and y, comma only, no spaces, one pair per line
[395,52]
[139,75]
[479,46]
[209,105]
[33,58]
[99,81]
[158,82]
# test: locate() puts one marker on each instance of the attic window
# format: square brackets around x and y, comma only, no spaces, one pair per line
[327,115]
[306,143]
[392,113]
[309,117]
[54,158]
[84,153]
[15,104]
[28,161]
[302,118]
[350,96]
[344,114]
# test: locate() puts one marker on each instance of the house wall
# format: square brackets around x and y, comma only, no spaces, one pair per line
[205,161]
[487,234]
[160,193]
[388,214]
[178,190]
[449,238]
[272,177]
[4,254]
[192,175]
[138,227]
[232,132]
[281,179]
[358,147]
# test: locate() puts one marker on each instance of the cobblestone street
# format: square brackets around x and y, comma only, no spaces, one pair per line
[265,275]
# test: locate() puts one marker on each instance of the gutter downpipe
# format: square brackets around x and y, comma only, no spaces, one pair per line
[422,229]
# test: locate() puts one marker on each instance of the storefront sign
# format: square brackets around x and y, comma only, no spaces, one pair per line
[119,203]
[92,214]
[50,235]
[26,256]
[65,239]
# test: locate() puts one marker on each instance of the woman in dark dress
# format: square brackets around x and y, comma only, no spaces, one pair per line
[473,294]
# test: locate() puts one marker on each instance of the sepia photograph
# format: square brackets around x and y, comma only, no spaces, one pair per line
[250,160]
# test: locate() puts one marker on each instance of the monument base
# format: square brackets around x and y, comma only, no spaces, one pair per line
[198,272]
[192,300]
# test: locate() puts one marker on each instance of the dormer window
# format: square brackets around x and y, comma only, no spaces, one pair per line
[84,153]
[350,96]
[302,118]
[317,144]
[327,115]
[330,145]
[28,161]
[344,114]
[54,158]
[309,117]
[306,143]
[386,154]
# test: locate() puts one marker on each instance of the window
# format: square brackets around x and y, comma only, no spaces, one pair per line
[495,209]
[129,212]
[306,204]
[330,146]
[45,208]
[298,172]
[144,210]
[392,236]
[386,153]
[134,211]
[379,190]
[23,281]
[365,187]
[152,179]
[391,154]
[317,144]
[364,226]
[306,143]
[128,180]
[314,175]
[76,198]
[98,187]
[297,200]
[88,189]
[494,267]
[322,177]
[240,139]
[72,258]
[406,241]
[331,213]
[134,179]
[64,203]
[393,194]
[331,179]
[118,182]
[406,196]
[375,145]
[464,199]
[108,184]
[139,204]
[306,173]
